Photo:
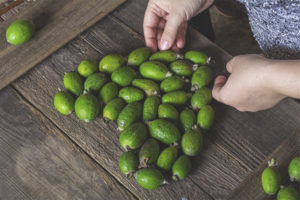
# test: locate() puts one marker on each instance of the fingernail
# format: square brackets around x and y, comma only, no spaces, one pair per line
[164,45]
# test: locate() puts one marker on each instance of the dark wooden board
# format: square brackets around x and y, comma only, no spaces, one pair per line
[251,188]
[37,161]
[57,22]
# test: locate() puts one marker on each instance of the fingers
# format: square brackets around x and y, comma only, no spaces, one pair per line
[218,85]
[170,31]
[180,41]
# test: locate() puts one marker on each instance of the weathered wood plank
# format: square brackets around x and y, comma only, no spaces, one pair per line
[5,6]
[37,161]
[57,22]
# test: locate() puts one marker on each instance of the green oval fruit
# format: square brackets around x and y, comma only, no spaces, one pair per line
[171,84]
[167,111]
[111,62]
[187,119]
[206,117]
[129,114]
[87,67]
[149,152]
[164,131]
[128,162]
[73,83]
[270,179]
[138,56]
[201,98]
[165,56]
[108,92]
[94,82]
[150,108]
[294,169]
[87,107]
[149,86]
[133,136]
[175,97]
[201,77]
[113,108]
[131,94]
[196,57]
[288,193]
[166,158]
[154,70]
[192,143]
[64,102]
[181,168]
[19,32]
[149,178]
[123,76]
[182,68]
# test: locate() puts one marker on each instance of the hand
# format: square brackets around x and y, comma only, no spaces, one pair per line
[165,22]
[248,87]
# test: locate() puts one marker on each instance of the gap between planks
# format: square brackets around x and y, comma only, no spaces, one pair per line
[70,139]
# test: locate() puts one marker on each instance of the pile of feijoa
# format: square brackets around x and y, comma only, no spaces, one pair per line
[271,180]
[160,102]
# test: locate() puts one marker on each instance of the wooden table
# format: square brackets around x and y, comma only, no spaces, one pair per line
[44,155]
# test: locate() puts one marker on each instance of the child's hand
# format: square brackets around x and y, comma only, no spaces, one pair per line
[248,88]
[165,22]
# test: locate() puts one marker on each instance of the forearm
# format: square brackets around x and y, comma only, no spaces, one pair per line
[284,77]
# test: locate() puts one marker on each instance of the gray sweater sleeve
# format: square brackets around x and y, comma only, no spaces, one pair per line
[276,26]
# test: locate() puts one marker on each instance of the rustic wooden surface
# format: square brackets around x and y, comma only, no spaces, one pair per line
[237,143]
[68,18]
[251,188]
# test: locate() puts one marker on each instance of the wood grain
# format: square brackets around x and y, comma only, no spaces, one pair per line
[38,162]
[251,188]
[57,22]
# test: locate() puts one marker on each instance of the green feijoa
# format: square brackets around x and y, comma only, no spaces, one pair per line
[154,70]
[182,68]
[132,112]
[87,107]
[171,84]
[64,102]
[149,152]
[167,111]
[123,76]
[73,83]
[270,178]
[133,136]
[196,57]
[113,108]
[165,56]
[87,67]
[149,178]
[94,82]
[138,56]
[149,86]
[294,169]
[166,158]
[150,108]
[288,193]
[128,162]
[201,77]
[187,119]
[131,94]
[175,97]
[192,142]
[20,31]
[164,131]
[108,92]
[201,98]
[111,62]
[181,168]
[206,117]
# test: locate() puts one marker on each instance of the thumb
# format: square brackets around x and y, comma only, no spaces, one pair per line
[218,85]
[170,32]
